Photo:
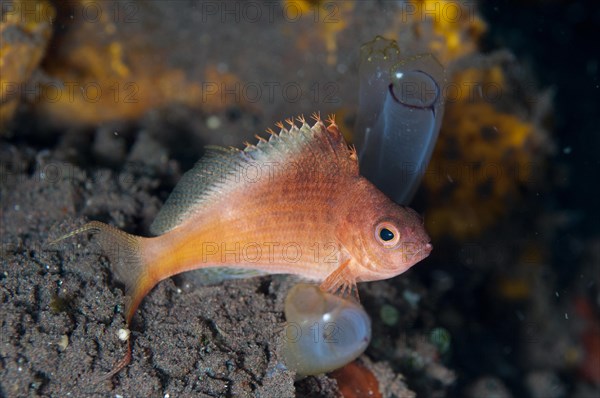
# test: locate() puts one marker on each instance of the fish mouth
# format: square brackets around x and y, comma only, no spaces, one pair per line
[422,253]
[428,247]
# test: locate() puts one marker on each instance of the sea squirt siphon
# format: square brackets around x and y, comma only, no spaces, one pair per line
[323,331]
[401,106]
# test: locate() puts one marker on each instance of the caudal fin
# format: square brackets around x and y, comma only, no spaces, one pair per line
[125,254]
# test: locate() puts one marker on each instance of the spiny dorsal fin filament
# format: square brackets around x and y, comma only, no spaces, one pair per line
[316,116]
[217,172]
[331,119]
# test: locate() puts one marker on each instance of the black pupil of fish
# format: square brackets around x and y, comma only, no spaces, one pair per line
[386,235]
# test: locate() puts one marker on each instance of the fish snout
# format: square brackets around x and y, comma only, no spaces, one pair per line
[428,248]
[421,251]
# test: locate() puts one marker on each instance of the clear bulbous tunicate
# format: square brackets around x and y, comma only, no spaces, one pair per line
[323,331]
[400,114]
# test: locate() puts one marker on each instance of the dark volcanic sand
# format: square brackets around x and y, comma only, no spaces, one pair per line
[60,311]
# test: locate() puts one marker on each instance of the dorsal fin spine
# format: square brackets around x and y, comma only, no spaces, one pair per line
[221,168]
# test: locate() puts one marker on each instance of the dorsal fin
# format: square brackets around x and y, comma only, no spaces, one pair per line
[219,171]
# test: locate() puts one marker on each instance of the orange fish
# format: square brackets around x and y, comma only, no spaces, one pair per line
[295,204]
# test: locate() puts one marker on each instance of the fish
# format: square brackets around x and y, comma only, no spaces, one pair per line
[293,204]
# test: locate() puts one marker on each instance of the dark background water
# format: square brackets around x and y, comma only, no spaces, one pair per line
[558,40]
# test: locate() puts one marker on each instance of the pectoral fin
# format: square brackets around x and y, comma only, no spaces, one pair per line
[342,282]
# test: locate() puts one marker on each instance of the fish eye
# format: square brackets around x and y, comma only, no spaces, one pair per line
[387,234]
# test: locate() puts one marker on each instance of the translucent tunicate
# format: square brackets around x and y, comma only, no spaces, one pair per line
[323,331]
[399,117]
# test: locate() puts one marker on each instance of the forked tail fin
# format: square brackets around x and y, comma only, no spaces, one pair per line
[125,254]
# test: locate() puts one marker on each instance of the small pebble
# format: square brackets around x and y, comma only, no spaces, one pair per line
[63,342]
[123,334]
